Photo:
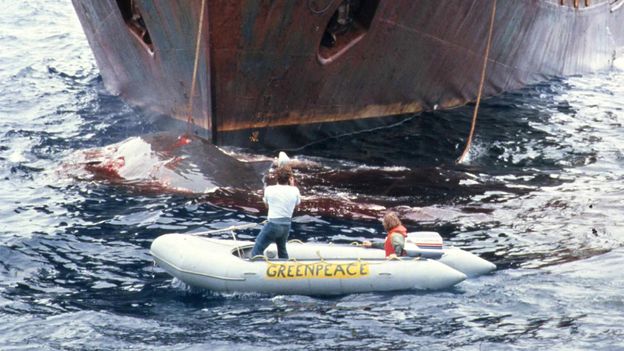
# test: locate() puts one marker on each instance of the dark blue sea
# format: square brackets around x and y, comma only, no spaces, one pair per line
[541,195]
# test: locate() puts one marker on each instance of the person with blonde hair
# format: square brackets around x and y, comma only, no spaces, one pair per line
[395,238]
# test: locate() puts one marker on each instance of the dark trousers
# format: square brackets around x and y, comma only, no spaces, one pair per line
[272,232]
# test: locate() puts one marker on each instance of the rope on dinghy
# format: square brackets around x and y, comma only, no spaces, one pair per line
[230,229]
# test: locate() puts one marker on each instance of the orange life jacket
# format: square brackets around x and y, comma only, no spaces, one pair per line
[388,244]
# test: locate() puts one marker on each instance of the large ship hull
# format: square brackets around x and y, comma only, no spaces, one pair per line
[272,72]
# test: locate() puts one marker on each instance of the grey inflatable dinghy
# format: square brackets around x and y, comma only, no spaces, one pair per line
[314,268]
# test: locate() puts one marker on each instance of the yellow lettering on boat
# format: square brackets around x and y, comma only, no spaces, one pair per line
[317,270]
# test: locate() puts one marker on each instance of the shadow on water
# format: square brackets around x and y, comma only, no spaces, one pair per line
[360,176]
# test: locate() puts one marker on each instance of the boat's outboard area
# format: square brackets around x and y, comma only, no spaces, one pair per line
[431,245]
[312,269]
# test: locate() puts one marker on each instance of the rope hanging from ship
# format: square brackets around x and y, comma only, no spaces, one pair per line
[481,83]
[190,121]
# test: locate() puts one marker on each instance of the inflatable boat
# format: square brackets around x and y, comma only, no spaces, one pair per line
[314,268]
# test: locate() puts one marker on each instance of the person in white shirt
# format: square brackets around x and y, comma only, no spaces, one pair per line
[281,199]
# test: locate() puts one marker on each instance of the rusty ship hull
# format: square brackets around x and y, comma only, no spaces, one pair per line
[275,72]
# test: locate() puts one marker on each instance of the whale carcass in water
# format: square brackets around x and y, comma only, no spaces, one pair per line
[172,162]
[166,162]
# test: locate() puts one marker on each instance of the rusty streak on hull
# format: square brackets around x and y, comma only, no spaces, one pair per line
[262,66]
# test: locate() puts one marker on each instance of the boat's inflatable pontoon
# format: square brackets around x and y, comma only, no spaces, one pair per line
[313,269]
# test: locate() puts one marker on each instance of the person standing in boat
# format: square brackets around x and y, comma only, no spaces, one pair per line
[281,199]
[395,239]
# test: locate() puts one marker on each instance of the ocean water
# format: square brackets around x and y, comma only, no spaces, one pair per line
[542,196]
